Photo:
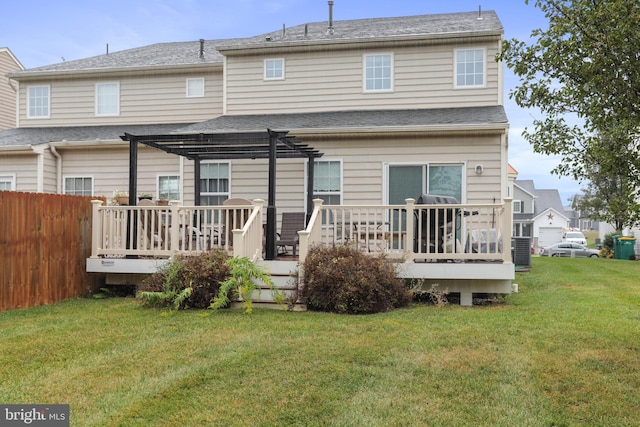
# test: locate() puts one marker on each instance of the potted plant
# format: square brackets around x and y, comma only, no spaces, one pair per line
[120,198]
[162,202]
[143,196]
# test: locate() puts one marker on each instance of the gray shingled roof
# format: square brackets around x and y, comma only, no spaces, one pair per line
[187,53]
[36,136]
[433,25]
[353,119]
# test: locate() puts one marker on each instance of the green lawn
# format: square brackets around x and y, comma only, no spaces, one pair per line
[564,351]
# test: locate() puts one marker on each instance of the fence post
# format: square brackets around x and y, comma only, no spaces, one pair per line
[408,244]
[96,227]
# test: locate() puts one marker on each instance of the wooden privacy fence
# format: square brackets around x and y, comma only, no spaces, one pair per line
[45,240]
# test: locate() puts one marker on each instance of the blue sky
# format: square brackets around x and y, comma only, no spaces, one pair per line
[42,32]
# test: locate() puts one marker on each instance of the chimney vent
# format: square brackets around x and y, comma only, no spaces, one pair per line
[330,29]
[479,12]
[201,48]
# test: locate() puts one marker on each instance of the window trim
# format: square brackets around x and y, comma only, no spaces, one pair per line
[484,68]
[282,61]
[97,99]
[48,115]
[391,77]
[11,179]
[169,175]
[519,204]
[193,79]
[66,177]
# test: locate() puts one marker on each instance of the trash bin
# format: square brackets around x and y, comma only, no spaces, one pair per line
[624,247]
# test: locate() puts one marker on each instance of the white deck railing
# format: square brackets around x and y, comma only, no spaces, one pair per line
[409,232]
[413,232]
[163,231]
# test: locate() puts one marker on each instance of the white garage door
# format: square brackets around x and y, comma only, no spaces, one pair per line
[547,236]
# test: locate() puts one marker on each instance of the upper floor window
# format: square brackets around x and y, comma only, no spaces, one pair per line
[108,99]
[517,206]
[274,69]
[169,187]
[378,72]
[470,67]
[8,182]
[215,179]
[195,87]
[327,181]
[78,185]
[38,102]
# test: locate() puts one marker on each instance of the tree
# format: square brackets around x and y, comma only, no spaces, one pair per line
[583,74]
[608,197]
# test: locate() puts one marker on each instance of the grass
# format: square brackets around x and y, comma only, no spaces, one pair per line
[564,351]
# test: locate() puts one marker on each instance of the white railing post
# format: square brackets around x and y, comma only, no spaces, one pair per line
[96,227]
[507,229]
[174,242]
[408,244]
[312,233]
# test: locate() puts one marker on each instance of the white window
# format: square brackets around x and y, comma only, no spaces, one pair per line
[195,88]
[470,67]
[517,206]
[274,69]
[78,185]
[327,181]
[38,102]
[7,182]
[108,99]
[215,180]
[169,187]
[378,73]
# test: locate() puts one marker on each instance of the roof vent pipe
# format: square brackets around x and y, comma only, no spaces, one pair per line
[201,55]
[283,30]
[330,29]
[479,12]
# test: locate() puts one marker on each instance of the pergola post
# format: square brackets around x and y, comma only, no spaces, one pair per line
[270,241]
[133,190]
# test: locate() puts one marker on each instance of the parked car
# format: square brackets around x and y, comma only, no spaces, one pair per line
[568,249]
[574,237]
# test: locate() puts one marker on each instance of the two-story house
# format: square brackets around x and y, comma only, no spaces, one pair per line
[395,107]
[538,213]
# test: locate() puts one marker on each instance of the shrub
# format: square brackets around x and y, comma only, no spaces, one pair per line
[187,281]
[341,279]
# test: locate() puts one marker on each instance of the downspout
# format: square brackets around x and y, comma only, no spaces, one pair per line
[58,168]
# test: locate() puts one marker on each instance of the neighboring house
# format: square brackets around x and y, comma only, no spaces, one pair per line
[538,213]
[398,107]
[8,64]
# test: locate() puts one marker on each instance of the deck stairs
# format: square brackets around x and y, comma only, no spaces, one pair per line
[283,274]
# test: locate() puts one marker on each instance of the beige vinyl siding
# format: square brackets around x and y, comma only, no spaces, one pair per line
[363,160]
[49,173]
[333,80]
[143,99]
[7,95]
[109,167]
[24,167]
[363,168]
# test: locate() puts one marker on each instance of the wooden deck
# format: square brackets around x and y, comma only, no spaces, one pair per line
[460,248]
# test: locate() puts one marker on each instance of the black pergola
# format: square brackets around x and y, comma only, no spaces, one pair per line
[223,146]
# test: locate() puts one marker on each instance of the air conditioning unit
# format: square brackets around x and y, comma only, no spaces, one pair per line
[521,251]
